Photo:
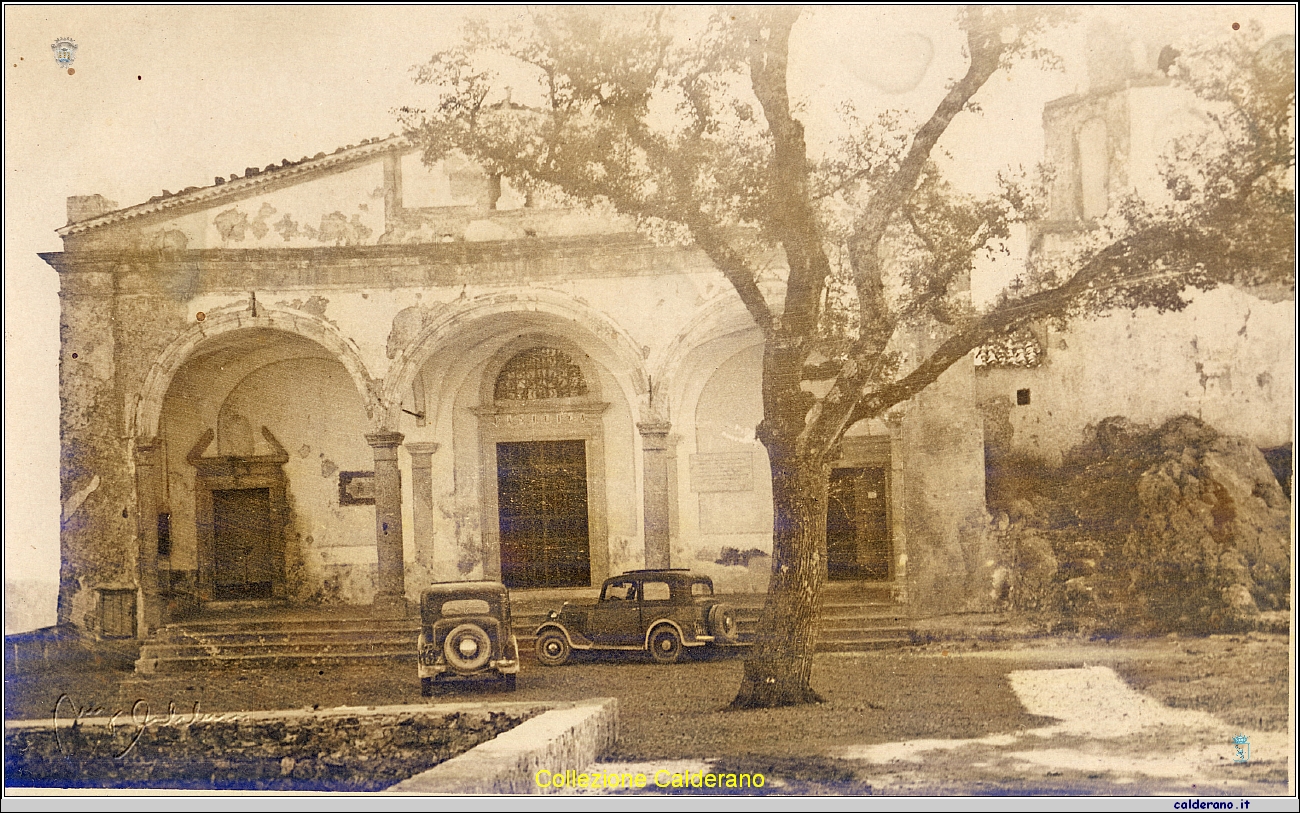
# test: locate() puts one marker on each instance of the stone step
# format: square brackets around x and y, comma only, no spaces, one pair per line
[225,626]
[147,665]
[301,648]
[861,646]
[850,635]
[316,636]
[856,616]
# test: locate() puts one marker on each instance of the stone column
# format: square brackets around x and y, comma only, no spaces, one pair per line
[422,495]
[148,480]
[657,489]
[388,521]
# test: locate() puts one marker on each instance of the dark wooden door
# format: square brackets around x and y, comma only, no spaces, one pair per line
[244,563]
[858,543]
[542,499]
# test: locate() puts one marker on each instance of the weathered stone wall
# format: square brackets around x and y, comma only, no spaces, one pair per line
[97,493]
[1228,359]
[951,558]
[337,750]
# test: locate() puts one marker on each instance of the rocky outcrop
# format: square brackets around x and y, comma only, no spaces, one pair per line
[1178,528]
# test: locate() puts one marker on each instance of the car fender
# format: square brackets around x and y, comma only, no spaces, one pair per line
[575,641]
[685,639]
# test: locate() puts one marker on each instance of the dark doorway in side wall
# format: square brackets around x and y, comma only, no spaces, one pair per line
[542,500]
[244,560]
[858,542]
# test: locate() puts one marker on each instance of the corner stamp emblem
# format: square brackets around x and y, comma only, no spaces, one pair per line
[65,50]
[1240,748]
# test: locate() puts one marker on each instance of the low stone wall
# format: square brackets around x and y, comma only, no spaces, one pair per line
[341,749]
[566,738]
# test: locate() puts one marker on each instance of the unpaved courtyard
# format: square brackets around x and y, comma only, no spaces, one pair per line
[1054,716]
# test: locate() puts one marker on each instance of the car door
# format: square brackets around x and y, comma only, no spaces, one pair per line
[658,602]
[616,618]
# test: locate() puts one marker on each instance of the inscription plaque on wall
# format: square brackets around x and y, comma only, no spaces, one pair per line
[722,471]
[356,488]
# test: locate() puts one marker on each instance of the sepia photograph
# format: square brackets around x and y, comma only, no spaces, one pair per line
[650,401]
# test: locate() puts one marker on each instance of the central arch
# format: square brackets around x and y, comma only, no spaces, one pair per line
[542,446]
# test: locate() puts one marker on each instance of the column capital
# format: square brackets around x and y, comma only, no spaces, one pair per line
[654,435]
[422,449]
[380,440]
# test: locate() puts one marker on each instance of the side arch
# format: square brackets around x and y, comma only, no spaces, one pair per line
[723,326]
[147,414]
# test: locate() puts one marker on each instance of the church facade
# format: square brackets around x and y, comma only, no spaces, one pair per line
[335,380]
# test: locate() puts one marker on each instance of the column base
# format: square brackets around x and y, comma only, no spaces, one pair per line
[392,606]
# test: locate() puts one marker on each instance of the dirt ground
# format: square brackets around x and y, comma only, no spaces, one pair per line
[958,694]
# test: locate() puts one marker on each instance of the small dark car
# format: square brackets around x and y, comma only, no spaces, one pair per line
[465,635]
[660,611]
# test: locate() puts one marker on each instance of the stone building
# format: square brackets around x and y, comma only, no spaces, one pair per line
[334,380]
[1227,359]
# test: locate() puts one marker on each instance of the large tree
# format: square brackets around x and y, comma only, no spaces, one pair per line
[685,121]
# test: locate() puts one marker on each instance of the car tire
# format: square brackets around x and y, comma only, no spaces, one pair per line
[722,624]
[477,657]
[553,648]
[426,687]
[665,644]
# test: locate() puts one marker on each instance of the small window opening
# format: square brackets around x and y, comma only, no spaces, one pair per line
[1022,397]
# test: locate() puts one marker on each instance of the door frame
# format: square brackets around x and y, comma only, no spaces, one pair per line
[232,473]
[883,451]
[528,548]
[557,419]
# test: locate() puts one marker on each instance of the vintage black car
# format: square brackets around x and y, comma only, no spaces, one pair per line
[465,635]
[660,611]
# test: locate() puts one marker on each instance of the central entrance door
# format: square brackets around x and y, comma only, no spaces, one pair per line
[244,563]
[858,544]
[542,500]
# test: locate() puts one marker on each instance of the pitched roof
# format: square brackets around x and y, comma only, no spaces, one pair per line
[237,186]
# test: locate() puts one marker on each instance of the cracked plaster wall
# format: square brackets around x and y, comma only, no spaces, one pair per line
[1228,359]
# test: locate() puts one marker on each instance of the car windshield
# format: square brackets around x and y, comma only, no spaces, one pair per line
[701,589]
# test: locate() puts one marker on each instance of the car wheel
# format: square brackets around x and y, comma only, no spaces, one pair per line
[553,648]
[426,687]
[665,645]
[467,647]
[722,624]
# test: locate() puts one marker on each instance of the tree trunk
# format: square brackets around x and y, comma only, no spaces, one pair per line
[778,669]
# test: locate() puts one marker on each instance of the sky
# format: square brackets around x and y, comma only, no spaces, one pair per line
[163,97]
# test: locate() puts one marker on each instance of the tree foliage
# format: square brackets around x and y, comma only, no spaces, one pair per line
[683,119]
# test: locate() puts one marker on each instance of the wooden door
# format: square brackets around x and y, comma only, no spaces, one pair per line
[858,540]
[243,560]
[542,500]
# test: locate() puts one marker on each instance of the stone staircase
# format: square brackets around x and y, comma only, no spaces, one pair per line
[276,637]
[862,616]
[857,617]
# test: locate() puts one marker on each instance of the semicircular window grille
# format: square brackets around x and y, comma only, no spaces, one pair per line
[540,372]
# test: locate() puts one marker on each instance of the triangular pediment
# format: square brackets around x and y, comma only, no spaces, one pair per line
[377,193]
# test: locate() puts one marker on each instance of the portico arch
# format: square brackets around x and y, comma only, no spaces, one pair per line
[144,419]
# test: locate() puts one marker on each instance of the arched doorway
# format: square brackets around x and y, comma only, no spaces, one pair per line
[543,452]
[258,428]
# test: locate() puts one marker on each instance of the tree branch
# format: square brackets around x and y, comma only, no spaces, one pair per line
[1145,247]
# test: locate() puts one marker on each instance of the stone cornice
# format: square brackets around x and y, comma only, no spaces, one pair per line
[512,261]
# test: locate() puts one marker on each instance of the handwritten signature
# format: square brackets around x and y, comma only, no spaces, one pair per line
[133,723]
